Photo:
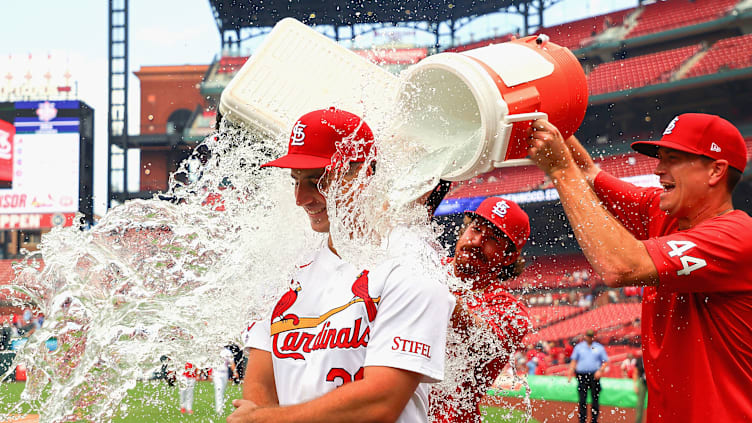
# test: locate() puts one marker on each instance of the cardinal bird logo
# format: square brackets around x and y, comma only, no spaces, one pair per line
[360,290]
[286,302]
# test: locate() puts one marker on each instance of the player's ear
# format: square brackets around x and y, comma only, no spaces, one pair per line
[717,172]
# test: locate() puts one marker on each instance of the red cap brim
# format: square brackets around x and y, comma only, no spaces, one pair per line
[650,148]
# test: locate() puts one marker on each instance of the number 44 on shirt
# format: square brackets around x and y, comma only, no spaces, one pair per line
[689,263]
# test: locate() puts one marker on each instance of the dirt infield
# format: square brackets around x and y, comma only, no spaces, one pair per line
[29,418]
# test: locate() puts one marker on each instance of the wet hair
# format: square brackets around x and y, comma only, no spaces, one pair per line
[509,271]
[437,195]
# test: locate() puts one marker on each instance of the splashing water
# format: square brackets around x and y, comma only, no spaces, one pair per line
[182,277]
[158,278]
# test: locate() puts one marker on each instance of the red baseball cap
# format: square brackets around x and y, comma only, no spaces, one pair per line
[324,137]
[507,216]
[701,134]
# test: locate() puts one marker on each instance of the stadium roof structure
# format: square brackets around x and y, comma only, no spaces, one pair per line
[235,15]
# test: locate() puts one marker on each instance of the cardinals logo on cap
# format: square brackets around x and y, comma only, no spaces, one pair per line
[671,126]
[297,134]
[500,209]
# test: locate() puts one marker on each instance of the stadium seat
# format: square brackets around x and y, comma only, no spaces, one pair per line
[667,15]
[639,71]
[546,315]
[601,318]
[577,34]
[727,54]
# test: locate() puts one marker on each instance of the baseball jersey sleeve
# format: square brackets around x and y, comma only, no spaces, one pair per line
[258,335]
[630,204]
[410,329]
[711,257]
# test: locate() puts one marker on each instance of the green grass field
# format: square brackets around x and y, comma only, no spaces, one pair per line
[151,402]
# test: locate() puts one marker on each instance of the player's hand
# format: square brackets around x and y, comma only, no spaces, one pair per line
[597,375]
[546,147]
[245,411]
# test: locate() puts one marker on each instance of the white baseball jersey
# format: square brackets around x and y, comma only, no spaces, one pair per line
[336,319]
[226,359]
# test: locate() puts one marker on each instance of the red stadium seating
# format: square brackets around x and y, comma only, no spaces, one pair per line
[605,317]
[630,164]
[623,332]
[666,15]
[572,35]
[638,71]
[730,53]
[552,271]
[7,274]
[614,350]
[499,181]
[577,34]
[544,316]
[526,178]
[6,270]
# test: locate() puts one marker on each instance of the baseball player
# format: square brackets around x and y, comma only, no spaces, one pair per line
[187,387]
[220,375]
[487,253]
[343,344]
[686,244]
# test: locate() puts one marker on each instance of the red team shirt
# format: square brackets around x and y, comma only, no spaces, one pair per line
[696,336]
[509,321]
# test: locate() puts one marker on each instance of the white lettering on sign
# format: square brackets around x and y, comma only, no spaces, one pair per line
[20,221]
[12,201]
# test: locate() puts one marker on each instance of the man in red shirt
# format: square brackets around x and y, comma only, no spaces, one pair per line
[686,244]
[487,254]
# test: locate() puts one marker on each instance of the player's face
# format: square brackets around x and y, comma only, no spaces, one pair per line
[481,251]
[309,185]
[309,197]
[684,177]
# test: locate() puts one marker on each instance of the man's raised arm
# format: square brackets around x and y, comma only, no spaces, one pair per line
[618,257]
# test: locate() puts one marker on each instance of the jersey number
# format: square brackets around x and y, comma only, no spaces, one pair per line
[689,263]
[343,375]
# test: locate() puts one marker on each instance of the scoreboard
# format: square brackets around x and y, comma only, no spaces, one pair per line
[46,163]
